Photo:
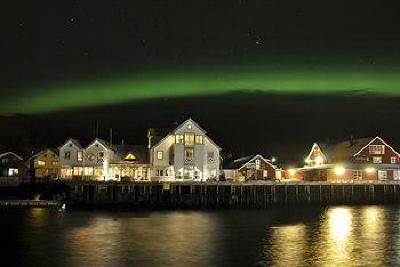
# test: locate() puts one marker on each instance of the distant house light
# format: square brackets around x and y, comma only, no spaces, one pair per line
[370,170]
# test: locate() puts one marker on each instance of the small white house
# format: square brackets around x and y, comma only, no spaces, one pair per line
[98,156]
[71,154]
[184,153]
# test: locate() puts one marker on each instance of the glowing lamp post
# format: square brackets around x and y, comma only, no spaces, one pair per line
[339,171]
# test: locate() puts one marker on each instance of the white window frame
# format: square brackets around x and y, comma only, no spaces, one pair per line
[377,160]
[376,149]
[393,160]
[160,155]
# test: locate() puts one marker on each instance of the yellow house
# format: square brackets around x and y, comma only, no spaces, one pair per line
[45,165]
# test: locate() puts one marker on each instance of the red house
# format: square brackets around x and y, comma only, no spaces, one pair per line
[355,159]
[252,168]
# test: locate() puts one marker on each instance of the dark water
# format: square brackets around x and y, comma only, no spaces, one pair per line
[332,236]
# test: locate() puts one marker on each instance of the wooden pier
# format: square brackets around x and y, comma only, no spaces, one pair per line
[30,204]
[232,195]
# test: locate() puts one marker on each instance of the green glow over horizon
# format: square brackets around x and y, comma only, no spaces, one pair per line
[214,81]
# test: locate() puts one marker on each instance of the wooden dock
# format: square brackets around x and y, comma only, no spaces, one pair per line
[30,204]
[232,195]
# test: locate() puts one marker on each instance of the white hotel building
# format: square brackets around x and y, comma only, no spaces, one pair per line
[183,153]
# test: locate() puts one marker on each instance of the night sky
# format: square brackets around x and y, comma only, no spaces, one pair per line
[269,72]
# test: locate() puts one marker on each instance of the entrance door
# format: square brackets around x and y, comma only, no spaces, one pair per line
[382,175]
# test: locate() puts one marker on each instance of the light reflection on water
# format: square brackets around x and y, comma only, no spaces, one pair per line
[333,236]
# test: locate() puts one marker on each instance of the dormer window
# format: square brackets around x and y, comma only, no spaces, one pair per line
[130,156]
[376,149]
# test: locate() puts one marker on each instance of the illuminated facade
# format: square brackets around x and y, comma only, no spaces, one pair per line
[355,159]
[183,153]
[102,161]
[13,169]
[251,168]
[44,165]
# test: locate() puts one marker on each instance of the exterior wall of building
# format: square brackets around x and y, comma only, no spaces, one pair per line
[12,168]
[258,169]
[129,171]
[163,165]
[389,156]
[67,163]
[45,165]
[187,139]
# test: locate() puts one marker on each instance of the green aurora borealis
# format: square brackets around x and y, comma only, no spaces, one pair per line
[206,81]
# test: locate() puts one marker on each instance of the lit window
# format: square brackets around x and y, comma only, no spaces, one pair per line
[393,160]
[265,173]
[41,163]
[189,126]
[160,155]
[78,171]
[88,171]
[376,149]
[67,155]
[189,139]
[210,156]
[80,156]
[199,140]
[12,172]
[377,159]
[130,156]
[357,174]
[179,139]
[189,155]
[98,172]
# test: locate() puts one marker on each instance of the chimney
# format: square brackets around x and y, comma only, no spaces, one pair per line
[351,140]
[111,137]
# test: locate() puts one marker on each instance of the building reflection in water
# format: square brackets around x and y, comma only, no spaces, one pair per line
[286,245]
[173,239]
[343,236]
[339,237]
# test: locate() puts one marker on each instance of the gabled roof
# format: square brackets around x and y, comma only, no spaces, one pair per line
[158,134]
[102,142]
[373,140]
[179,126]
[342,151]
[10,153]
[139,151]
[237,163]
[192,122]
[258,156]
[41,152]
[75,142]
